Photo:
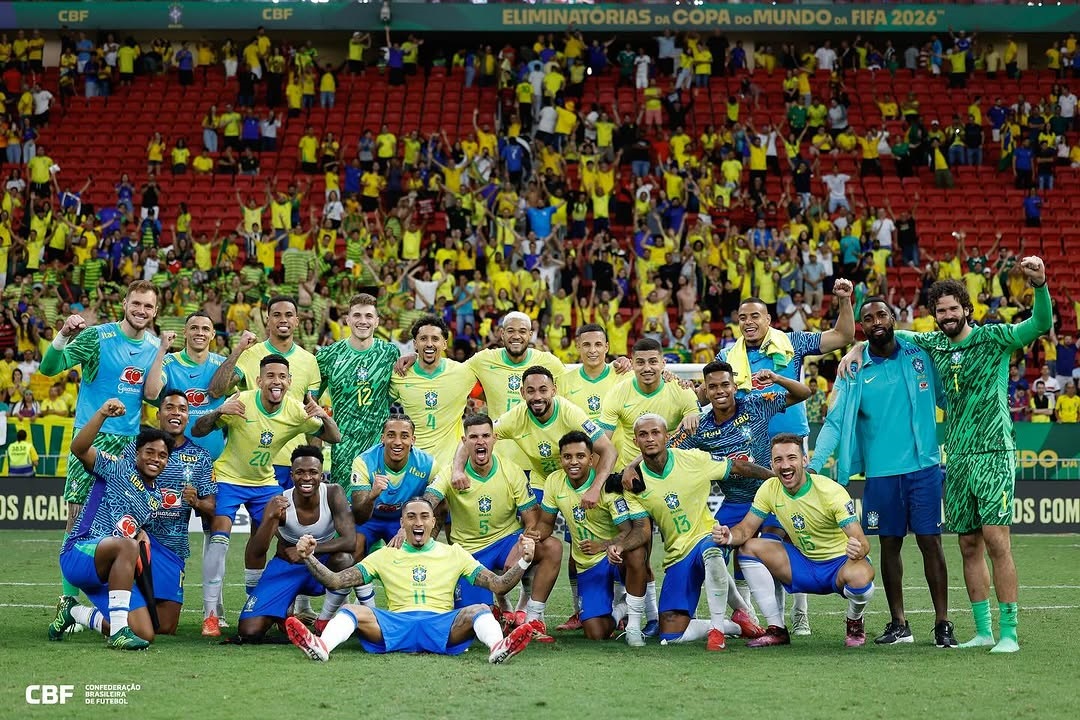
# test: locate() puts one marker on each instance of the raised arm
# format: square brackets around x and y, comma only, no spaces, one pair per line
[502,584]
[797,392]
[1042,313]
[843,333]
[225,379]
[155,381]
[82,445]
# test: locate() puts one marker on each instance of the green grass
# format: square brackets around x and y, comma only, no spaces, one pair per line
[815,677]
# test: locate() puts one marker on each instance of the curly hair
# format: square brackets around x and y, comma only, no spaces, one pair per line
[943,288]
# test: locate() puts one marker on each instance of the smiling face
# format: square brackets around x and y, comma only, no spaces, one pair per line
[789,464]
[198,332]
[173,415]
[593,348]
[140,309]
[397,440]
[430,344]
[307,473]
[877,323]
[538,391]
[950,315]
[151,459]
[418,522]
[754,321]
[516,334]
[576,461]
[363,319]
[720,391]
[648,366]
[274,382]
[282,320]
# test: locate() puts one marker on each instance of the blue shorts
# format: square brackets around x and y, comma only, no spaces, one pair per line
[283,475]
[817,577]
[682,581]
[415,632]
[895,504]
[167,569]
[79,569]
[230,497]
[731,514]
[279,585]
[596,587]
[376,529]
[493,557]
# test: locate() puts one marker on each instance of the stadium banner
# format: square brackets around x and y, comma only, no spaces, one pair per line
[37,503]
[51,438]
[338,16]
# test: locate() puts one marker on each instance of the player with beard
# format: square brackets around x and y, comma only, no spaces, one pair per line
[434,390]
[356,373]
[738,428]
[882,424]
[383,478]
[973,364]
[99,556]
[257,424]
[241,368]
[420,578]
[114,358]
[310,508]
[827,553]
[762,347]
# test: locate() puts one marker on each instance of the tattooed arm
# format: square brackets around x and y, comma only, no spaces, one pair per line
[349,577]
[502,584]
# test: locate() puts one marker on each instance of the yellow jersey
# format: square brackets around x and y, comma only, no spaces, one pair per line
[252,441]
[626,403]
[598,523]
[677,499]
[421,579]
[538,441]
[487,511]
[814,518]
[435,401]
[587,393]
[1068,408]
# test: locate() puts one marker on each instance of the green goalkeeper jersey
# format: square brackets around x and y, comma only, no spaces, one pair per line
[359,385]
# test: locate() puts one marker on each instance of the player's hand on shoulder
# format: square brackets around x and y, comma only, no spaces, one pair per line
[397,541]
[460,481]
[404,363]
[73,325]
[621,365]
[843,288]
[305,547]
[233,406]
[590,499]
[849,364]
[113,408]
[690,423]
[1034,269]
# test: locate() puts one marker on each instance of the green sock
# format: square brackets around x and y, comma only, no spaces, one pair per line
[981,611]
[69,589]
[1008,620]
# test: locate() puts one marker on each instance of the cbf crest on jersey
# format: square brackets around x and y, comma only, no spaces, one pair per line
[798,522]
[514,382]
[419,574]
[672,501]
[362,373]
[266,439]
[594,403]
[484,504]
[545,449]
[918,364]
[579,514]
[431,399]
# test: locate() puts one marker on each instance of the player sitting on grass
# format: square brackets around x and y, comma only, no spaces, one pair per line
[419,579]
[310,508]
[100,555]
[827,553]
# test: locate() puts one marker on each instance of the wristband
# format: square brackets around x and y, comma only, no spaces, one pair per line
[60,342]
[1039,286]
[523,563]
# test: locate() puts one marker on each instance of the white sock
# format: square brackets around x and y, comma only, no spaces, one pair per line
[88,617]
[618,612]
[574,594]
[764,588]
[696,630]
[339,629]
[857,600]
[743,589]
[635,608]
[781,598]
[216,546]
[302,603]
[365,595]
[251,579]
[800,603]
[332,603]
[716,587]
[526,590]
[651,611]
[119,602]
[534,610]
[487,629]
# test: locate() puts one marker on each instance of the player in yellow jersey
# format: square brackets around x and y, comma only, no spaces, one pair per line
[589,385]
[827,553]
[485,504]
[646,392]
[434,391]
[241,367]
[257,424]
[419,578]
[674,487]
[607,543]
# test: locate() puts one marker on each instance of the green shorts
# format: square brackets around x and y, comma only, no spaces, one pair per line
[78,484]
[343,454]
[979,490]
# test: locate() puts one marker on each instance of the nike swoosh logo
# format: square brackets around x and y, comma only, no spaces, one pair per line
[575,392]
[194,375]
[626,405]
[133,352]
[645,494]
[561,497]
[869,380]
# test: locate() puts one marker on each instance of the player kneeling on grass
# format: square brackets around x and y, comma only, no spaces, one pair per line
[827,553]
[311,509]
[419,579]
[607,542]
[101,554]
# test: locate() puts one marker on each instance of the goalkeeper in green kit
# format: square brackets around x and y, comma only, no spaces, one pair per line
[973,364]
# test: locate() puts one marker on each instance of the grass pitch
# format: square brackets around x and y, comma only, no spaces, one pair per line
[816,677]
